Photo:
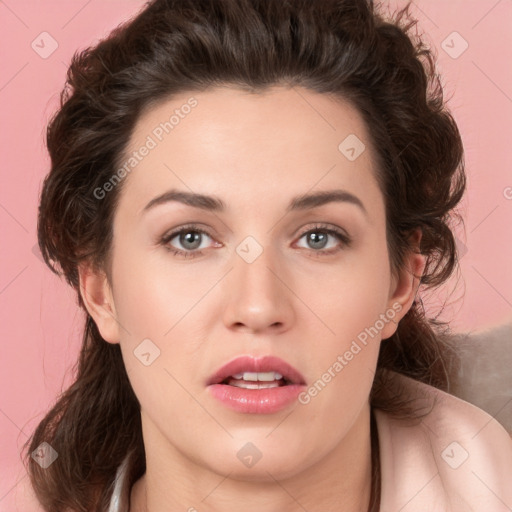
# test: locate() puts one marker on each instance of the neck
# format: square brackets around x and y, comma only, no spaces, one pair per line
[339,480]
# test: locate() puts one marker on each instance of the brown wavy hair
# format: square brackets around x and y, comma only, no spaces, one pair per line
[345,48]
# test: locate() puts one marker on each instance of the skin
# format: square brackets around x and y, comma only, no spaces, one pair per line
[255,152]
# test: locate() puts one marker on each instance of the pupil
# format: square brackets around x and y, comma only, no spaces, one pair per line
[187,239]
[314,237]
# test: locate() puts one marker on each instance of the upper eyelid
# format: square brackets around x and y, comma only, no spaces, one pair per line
[197,227]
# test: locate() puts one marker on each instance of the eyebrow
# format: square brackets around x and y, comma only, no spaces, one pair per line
[215,204]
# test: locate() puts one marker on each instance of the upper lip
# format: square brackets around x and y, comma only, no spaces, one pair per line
[257,364]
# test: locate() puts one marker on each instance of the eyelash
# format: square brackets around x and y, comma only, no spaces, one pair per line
[196,253]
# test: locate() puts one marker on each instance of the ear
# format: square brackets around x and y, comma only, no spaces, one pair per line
[98,299]
[404,287]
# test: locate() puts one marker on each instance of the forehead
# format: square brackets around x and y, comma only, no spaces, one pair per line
[252,144]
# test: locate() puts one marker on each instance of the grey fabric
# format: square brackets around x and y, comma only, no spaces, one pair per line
[484,375]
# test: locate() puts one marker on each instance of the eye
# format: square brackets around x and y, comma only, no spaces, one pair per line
[318,237]
[189,237]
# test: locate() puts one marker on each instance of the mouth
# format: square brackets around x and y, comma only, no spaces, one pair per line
[256,385]
[257,373]
[256,380]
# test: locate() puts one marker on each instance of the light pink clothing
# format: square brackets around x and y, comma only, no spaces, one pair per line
[455,459]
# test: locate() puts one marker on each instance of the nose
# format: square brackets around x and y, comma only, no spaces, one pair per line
[258,294]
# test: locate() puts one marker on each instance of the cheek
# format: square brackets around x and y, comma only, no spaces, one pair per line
[340,386]
[352,307]
[352,298]
[152,295]
[159,308]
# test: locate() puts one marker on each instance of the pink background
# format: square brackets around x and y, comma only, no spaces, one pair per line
[40,322]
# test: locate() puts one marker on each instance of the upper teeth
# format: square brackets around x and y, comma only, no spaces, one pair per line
[262,376]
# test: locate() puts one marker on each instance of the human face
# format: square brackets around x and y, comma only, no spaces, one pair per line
[256,284]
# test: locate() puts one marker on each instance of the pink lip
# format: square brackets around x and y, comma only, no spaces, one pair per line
[256,401]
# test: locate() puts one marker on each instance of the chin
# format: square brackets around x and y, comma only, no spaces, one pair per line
[260,461]
[268,471]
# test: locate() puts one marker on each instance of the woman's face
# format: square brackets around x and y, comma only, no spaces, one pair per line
[268,277]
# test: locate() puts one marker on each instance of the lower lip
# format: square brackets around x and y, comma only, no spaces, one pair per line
[256,401]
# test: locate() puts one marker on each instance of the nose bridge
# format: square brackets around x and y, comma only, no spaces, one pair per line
[257,296]
[255,264]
